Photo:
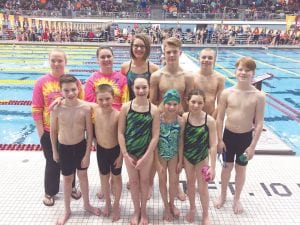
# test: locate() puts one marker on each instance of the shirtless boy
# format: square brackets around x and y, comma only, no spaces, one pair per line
[108,150]
[69,122]
[171,76]
[244,108]
[208,80]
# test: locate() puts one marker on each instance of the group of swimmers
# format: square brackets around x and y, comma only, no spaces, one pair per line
[152,119]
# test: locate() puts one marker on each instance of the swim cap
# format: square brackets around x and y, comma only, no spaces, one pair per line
[171,95]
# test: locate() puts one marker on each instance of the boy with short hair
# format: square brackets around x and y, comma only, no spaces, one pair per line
[108,149]
[210,81]
[69,123]
[244,107]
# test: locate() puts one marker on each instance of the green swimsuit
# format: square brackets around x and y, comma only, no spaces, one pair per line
[196,142]
[138,131]
[168,139]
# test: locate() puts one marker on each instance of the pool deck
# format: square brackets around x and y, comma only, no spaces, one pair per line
[271,194]
[270,197]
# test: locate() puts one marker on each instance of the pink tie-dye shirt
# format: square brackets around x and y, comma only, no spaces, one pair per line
[118,82]
[45,91]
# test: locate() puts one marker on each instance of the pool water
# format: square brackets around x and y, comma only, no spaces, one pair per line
[21,65]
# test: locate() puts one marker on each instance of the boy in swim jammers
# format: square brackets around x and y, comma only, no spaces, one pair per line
[244,107]
[69,123]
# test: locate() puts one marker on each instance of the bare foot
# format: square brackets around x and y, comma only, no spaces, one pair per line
[175,211]
[190,216]
[144,220]
[100,195]
[93,210]
[237,207]
[181,195]
[167,214]
[220,202]
[106,210]
[116,213]
[62,220]
[150,191]
[135,219]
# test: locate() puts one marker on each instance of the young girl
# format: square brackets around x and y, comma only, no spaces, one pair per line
[139,65]
[200,141]
[170,151]
[138,134]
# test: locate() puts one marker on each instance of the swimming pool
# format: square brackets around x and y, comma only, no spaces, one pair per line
[21,65]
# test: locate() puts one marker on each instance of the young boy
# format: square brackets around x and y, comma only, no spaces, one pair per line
[211,82]
[108,150]
[244,105]
[46,91]
[69,122]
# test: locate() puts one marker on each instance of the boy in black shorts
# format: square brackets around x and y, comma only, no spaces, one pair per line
[108,150]
[70,148]
[244,107]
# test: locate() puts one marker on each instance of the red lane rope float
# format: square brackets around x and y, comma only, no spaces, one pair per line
[21,147]
[26,147]
[15,102]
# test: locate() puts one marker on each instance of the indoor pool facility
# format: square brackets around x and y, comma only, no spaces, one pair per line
[272,191]
[21,65]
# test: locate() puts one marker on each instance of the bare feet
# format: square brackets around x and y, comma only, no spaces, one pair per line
[150,191]
[135,219]
[220,202]
[144,220]
[175,211]
[237,207]
[100,195]
[106,210]
[93,210]
[190,216]
[167,215]
[116,213]
[62,220]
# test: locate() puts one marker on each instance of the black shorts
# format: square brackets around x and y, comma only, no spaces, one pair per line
[106,159]
[236,144]
[71,156]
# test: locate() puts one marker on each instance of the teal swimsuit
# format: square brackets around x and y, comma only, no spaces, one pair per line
[138,132]
[131,76]
[168,139]
[196,142]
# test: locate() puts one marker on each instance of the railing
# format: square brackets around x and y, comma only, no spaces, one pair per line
[92,14]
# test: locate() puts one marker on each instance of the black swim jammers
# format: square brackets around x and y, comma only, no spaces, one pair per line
[106,159]
[236,144]
[71,157]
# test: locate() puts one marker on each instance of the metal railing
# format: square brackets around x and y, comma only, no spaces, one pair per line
[93,14]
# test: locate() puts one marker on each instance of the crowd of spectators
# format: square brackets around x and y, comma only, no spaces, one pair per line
[211,34]
[226,35]
[251,9]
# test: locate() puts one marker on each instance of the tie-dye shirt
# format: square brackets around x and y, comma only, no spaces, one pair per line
[45,91]
[118,82]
